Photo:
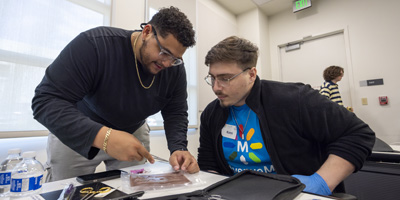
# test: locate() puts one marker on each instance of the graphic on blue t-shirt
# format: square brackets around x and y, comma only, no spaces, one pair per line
[242,142]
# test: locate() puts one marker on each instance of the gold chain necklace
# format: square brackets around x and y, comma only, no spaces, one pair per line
[137,70]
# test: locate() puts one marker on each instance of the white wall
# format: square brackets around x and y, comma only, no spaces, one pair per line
[214,24]
[373,30]
[264,52]
[128,14]
[249,28]
[253,25]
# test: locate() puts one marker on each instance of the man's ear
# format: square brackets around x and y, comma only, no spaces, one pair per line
[147,30]
[253,74]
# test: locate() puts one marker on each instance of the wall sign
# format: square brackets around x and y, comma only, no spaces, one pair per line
[301,5]
[371,82]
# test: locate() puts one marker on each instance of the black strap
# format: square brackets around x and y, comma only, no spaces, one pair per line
[247,185]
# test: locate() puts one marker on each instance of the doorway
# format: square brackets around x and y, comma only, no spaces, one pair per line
[307,63]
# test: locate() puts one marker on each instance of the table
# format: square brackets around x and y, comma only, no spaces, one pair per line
[160,166]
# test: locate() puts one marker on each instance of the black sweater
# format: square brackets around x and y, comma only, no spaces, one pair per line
[299,126]
[94,83]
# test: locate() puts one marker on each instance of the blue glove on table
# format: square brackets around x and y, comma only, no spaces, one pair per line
[314,184]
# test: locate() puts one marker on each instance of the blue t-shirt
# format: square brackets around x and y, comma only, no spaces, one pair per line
[245,149]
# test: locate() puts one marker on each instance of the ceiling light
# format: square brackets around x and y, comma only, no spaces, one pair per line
[261,2]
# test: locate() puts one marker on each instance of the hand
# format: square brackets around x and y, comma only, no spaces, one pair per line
[183,160]
[350,109]
[124,146]
[314,184]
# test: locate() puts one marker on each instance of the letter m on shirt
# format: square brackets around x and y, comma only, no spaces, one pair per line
[242,147]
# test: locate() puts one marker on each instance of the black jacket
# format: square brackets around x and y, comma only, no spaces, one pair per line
[300,128]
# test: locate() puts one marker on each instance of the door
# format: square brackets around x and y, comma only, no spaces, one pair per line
[307,64]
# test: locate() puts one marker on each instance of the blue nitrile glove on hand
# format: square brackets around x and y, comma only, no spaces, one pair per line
[314,184]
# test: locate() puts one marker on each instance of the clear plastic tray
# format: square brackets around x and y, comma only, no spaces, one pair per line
[157,180]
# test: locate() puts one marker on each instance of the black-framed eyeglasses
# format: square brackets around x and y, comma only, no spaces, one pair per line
[223,82]
[165,55]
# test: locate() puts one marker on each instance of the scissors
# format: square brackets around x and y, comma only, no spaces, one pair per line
[90,192]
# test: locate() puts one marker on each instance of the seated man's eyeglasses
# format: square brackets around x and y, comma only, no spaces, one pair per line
[165,55]
[222,81]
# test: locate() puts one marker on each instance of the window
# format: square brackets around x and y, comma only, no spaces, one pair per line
[32,35]
[156,121]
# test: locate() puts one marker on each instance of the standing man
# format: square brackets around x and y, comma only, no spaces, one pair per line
[96,95]
[275,127]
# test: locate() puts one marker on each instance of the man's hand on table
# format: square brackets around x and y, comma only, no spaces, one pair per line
[183,160]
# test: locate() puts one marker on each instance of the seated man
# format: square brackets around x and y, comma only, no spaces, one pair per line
[275,127]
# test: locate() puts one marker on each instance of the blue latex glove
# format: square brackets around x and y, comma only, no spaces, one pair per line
[314,184]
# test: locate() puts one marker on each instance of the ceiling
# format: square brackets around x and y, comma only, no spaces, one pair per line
[268,7]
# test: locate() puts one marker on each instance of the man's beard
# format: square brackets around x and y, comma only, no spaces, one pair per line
[222,105]
[145,66]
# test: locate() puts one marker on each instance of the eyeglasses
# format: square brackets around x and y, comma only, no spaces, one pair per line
[223,82]
[165,55]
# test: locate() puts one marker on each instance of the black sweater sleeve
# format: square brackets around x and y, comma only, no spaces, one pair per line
[67,80]
[342,132]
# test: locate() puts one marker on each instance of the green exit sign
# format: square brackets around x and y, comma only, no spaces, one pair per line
[300,5]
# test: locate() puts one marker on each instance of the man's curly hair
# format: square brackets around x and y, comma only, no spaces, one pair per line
[332,72]
[172,20]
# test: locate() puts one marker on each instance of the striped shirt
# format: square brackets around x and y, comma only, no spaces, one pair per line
[331,91]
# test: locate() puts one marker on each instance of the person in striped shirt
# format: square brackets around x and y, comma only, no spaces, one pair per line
[330,88]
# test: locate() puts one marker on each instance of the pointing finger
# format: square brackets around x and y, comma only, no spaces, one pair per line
[143,152]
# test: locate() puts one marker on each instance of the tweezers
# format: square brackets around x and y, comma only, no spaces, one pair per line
[158,158]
